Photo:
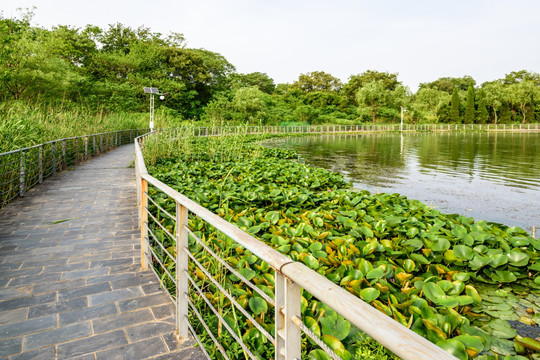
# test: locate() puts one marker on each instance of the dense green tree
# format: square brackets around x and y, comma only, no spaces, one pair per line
[350,89]
[454,107]
[469,116]
[521,95]
[372,97]
[261,80]
[506,114]
[482,113]
[317,81]
[448,84]
[431,101]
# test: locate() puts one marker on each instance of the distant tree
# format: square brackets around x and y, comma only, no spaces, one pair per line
[522,75]
[506,114]
[494,95]
[317,81]
[454,107]
[448,84]
[483,115]
[372,97]
[249,101]
[432,100]
[469,116]
[350,89]
[521,94]
[261,80]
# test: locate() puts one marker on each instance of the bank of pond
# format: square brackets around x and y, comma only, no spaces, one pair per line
[471,287]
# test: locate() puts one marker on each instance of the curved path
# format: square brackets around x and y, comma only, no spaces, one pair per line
[70,280]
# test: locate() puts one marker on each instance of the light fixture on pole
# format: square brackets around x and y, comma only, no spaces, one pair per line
[152,91]
[402,110]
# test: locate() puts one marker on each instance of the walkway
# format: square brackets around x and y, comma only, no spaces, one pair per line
[70,280]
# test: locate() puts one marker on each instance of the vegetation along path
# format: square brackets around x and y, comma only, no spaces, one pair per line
[70,279]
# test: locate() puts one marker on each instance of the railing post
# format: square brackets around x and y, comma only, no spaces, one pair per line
[144,224]
[182,330]
[85,147]
[40,175]
[64,153]
[22,175]
[76,151]
[100,143]
[94,146]
[288,336]
[54,158]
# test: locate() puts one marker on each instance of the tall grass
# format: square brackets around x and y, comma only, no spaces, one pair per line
[25,124]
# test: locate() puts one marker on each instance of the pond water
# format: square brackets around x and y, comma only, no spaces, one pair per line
[488,176]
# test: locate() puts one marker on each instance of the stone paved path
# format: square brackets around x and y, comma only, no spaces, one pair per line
[70,280]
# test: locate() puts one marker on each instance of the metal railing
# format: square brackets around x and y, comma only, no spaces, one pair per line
[323,129]
[22,169]
[180,244]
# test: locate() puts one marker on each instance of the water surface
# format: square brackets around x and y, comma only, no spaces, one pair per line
[488,176]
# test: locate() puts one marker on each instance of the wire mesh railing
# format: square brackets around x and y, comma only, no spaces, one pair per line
[238,297]
[22,169]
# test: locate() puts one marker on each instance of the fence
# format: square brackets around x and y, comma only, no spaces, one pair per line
[322,129]
[22,169]
[185,260]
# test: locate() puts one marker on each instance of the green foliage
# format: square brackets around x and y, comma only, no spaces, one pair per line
[482,116]
[469,116]
[317,81]
[454,107]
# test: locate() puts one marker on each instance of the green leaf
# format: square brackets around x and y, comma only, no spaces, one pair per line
[433,292]
[333,344]
[441,244]
[517,258]
[463,252]
[245,272]
[258,305]
[316,246]
[479,261]
[408,265]
[502,329]
[498,260]
[310,261]
[474,343]
[420,259]
[375,274]
[336,326]
[455,348]
[318,354]
[369,294]
[412,232]
[366,231]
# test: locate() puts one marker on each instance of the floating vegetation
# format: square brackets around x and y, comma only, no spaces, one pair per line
[470,287]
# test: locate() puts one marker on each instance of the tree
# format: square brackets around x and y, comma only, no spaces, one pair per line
[469,106]
[249,102]
[431,100]
[261,80]
[506,114]
[317,81]
[454,107]
[390,82]
[483,115]
[371,97]
[448,84]
[493,96]
[521,94]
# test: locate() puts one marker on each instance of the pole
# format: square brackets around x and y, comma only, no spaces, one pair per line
[401,125]
[151,112]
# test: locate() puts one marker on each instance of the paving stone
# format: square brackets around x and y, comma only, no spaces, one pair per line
[113,262]
[84,273]
[135,280]
[27,326]
[41,354]
[10,346]
[86,314]
[84,290]
[115,295]
[193,353]
[13,315]
[15,292]
[140,332]
[27,301]
[57,336]
[121,320]
[141,302]
[163,311]
[138,350]
[34,279]
[58,286]
[58,307]
[91,344]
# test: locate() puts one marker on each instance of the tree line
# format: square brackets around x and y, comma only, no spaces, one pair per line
[106,70]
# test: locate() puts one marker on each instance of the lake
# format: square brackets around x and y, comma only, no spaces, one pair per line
[489,176]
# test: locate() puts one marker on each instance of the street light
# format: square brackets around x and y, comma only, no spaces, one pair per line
[402,110]
[152,91]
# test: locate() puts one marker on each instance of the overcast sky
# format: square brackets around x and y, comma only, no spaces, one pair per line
[421,40]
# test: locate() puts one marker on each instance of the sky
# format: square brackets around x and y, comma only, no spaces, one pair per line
[421,40]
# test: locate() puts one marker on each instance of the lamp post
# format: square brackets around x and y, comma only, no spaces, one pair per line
[153,91]
[402,110]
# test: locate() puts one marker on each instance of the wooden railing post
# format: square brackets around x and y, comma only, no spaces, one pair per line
[288,335]
[144,224]
[22,178]
[40,174]
[182,329]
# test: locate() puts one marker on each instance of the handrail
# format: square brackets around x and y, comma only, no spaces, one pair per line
[22,169]
[291,277]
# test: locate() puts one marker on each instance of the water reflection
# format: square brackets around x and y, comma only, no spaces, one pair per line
[491,176]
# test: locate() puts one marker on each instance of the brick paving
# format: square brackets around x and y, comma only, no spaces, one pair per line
[70,280]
